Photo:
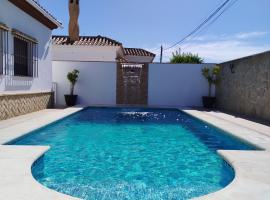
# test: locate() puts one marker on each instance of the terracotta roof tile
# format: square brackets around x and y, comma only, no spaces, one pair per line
[86,41]
[137,52]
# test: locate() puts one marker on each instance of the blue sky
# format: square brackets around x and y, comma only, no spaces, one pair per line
[243,30]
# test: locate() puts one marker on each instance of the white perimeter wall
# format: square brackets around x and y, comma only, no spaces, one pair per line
[96,84]
[84,53]
[13,17]
[180,85]
[176,85]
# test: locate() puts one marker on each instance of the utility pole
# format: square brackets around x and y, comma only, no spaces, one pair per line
[161,53]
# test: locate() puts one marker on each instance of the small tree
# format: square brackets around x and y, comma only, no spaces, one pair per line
[190,58]
[211,75]
[73,78]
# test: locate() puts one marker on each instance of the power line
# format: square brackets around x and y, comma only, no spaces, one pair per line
[195,31]
[213,21]
[200,25]
[158,48]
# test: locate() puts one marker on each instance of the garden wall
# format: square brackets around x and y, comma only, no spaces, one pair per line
[96,85]
[173,85]
[245,86]
[176,85]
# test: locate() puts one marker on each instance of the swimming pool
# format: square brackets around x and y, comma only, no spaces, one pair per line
[130,153]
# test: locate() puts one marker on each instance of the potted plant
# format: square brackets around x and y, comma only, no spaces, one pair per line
[211,75]
[71,99]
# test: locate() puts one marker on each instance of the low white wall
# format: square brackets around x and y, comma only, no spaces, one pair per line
[176,84]
[96,84]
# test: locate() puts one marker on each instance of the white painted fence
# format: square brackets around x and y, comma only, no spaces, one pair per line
[96,85]
[176,84]
[168,85]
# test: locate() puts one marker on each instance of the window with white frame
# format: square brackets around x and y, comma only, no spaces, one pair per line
[25,56]
[3,49]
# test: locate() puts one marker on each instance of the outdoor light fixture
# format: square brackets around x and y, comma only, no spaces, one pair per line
[232,67]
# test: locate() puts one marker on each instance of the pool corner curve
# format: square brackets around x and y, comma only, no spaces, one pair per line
[17,181]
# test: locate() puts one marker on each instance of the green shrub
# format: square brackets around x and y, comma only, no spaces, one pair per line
[185,58]
[211,75]
[73,78]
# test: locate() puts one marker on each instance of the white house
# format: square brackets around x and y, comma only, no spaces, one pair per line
[25,57]
[97,48]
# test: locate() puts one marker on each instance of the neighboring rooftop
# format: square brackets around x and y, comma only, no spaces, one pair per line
[34,9]
[122,54]
[85,41]
[137,52]
[99,41]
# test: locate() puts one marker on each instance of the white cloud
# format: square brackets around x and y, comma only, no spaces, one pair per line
[220,48]
[250,35]
[240,36]
[220,51]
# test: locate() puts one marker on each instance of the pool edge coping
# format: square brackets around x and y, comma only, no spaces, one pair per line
[17,161]
[252,177]
[26,127]
[26,161]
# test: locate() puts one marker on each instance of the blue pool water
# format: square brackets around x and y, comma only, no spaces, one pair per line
[131,154]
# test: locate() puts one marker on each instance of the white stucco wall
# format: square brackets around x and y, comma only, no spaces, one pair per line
[84,53]
[176,85]
[169,84]
[15,18]
[96,84]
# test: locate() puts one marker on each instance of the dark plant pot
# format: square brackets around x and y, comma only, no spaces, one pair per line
[71,100]
[209,102]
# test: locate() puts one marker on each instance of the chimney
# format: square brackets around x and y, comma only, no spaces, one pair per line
[74,11]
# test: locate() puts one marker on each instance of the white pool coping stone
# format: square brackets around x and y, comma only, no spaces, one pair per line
[16,180]
[252,168]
